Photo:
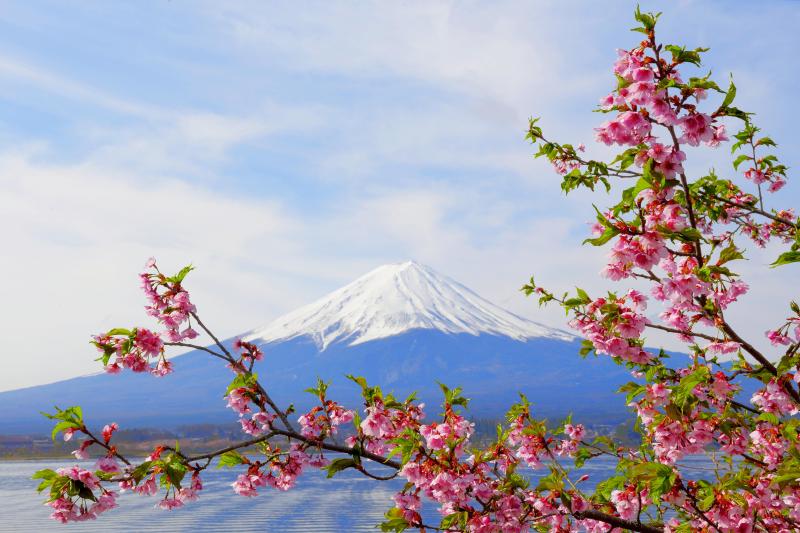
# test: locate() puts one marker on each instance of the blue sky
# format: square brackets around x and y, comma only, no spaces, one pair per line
[287,149]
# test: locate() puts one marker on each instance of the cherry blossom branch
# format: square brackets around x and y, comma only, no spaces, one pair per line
[681,332]
[233,447]
[760,358]
[755,210]
[210,334]
[103,444]
[197,347]
[616,521]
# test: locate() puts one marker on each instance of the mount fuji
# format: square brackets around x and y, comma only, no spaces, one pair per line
[402,326]
[394,299]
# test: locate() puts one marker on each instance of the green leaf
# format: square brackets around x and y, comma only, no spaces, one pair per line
[739,160]
[456,521]
[583,295]
[769,417]
[605,488]
[337,465]
[361,381]
[394,521]
[242,381]
[765,141]
[174,470]
[47,476]
[730,95]
[683,393]
[730,253]
[178,278]
[607,235]
[581,456]
[786,257]
[85,493]
[140,471]
[586,347]
[61,426]
[230,459]
[648,20]
[681,55]
[118,331]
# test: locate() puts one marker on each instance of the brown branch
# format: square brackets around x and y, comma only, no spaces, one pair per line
[616,521]
[682,332]
[688,196]
[231,448]
[333,447]
[755,210]
[104,445]
[745,407]
[196,347]
[216,340]
[364,471]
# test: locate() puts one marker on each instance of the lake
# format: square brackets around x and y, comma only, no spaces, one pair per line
[348,502]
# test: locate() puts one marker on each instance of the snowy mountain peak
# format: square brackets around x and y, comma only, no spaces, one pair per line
[396,298]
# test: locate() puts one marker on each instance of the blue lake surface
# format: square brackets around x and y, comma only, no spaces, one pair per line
[348,502]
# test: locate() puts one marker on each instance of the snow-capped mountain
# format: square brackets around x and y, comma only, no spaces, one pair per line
[396,298]
[403,327]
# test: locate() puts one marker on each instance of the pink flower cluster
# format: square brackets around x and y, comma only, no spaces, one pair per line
[763,174]
[525,445]
[134,351]
[667,161]
[323,421]
[641,104]
[249,352]
[672,440]
[181,496]
[629,502]
[634,251]
[66,509]
[169,303]
[575,433]
[279,473]
[774,399]
[383,424]
[614,324]
[451,434]
[258,423]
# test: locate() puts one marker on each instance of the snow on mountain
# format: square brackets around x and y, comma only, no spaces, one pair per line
[396,298]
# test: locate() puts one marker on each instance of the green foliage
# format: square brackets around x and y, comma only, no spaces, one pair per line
[683,393]
[47,476]
[452,397]
[248,380]
[405,444]
[69,418]
[174,469]
[681,55]
[456,521]
[394,521]
[606,487]
[337,465]
[231,459]
[792,256]
[319,390]
[647,21]
[581,456]
[178,278]
[657,477]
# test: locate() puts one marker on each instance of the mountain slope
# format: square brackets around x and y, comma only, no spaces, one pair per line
[403,327]
[396,298]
